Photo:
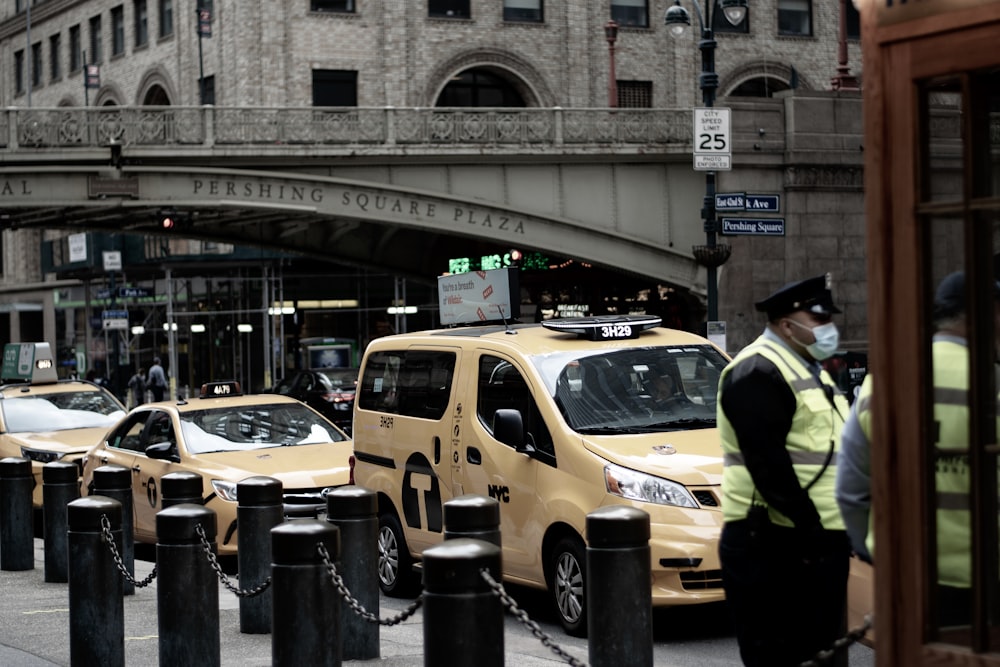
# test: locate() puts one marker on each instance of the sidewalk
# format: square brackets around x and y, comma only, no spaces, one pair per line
[34,628]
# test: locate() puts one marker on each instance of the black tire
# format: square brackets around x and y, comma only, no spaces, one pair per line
[395,565]
[566,585]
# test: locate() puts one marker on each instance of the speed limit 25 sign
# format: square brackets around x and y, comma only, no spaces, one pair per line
[712,146]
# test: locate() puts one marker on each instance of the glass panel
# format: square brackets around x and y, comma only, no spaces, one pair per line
[949,431]
[989,85]
[942,101]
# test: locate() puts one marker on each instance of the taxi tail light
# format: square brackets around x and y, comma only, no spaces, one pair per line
[351,461]
[338,397]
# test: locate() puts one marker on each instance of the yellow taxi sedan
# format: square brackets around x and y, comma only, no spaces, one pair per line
[225,437]
[45,419]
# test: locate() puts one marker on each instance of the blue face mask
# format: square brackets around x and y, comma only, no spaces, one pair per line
[827,339]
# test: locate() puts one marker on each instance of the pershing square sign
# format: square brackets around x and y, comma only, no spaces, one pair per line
[479,296]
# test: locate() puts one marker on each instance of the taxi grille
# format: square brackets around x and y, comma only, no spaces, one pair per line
[304,503]
[701,580]
[706,498]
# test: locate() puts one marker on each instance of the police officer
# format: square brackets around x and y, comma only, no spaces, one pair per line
[950,359]
[784,551]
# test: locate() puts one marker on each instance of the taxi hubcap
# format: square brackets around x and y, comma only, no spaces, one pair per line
[388,556]
[568,586]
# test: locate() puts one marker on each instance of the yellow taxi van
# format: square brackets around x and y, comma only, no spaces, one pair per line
[554,420]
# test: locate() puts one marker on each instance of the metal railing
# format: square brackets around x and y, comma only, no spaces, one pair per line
[209,126]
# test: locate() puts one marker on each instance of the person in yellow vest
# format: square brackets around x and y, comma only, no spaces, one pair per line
[950,359]
[783,549]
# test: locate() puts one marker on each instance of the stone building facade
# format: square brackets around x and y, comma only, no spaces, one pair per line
[264,53]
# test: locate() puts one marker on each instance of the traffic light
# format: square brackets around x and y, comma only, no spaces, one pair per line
[173,220]
[515,257]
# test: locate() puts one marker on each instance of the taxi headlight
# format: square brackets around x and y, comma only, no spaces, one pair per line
[40,455]
[225,490]
[636,485]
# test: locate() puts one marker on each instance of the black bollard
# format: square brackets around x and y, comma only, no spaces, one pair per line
[60,486]
[472,516]
[463,616]
[354,510]
[17,515]
[620,627]
[187,593]
[306,614]
[116,482]
[259,510]
[96,607]
[177,488]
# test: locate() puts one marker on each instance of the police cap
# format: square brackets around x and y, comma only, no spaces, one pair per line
[812,295]
[949,298]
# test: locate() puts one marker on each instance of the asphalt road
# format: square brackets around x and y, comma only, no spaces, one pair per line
[34,630]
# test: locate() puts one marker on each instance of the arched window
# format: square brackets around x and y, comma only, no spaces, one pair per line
[763,86]
[156,97]
[479,88]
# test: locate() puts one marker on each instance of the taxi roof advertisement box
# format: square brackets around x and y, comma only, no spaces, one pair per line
[479,296]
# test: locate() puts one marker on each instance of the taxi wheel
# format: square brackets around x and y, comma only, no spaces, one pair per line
[568,563]
[395,566]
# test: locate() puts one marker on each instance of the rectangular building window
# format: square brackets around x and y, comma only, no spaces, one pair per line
[141,23]
[55,57]
[451,9]
[630,12]
[635,94]
[853,22]
[523,10]
[36,64]
[795,17]
[117,30]
[75,49]
[334,88]
[332,6]
[166,18]
[95,40]
[209,87]
[19,71]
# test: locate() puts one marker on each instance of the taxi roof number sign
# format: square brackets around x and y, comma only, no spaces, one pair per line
[604,327]
[221,389]
[28,361]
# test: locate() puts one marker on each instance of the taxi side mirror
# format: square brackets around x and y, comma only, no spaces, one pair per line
[163,451]
[508,428]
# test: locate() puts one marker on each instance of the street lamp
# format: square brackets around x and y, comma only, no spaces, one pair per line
[843,80]
[712,254]
[611,34]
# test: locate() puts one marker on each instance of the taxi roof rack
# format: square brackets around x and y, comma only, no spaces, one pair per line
[604,327]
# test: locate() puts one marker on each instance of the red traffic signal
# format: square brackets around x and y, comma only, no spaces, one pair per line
[168,222]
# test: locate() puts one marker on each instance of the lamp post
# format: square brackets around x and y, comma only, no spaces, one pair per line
[712,254]
[843,80]
[611,34]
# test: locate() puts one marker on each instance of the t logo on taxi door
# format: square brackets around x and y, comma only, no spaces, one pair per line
[501,493]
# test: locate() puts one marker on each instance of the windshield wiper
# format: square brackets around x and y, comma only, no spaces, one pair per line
[684,423]
[608,430]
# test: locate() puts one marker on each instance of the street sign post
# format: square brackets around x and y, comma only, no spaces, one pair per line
[115,319]
[712,145]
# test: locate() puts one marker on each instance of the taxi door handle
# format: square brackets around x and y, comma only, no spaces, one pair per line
[473,456]
[135,468]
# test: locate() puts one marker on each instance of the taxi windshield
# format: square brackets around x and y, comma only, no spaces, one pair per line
[250,427]
[60,411]
[637,390]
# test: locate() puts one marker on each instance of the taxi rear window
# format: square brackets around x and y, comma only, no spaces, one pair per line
[411,383]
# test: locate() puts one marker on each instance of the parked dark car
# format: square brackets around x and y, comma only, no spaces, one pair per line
[329,391]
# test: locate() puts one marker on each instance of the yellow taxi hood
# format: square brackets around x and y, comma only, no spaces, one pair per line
[77,440]
[692,458]
[302,466]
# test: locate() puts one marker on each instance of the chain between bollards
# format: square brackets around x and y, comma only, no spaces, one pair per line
[355,605]
[526,621]
[109,539]
[853,636]
[214,562]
